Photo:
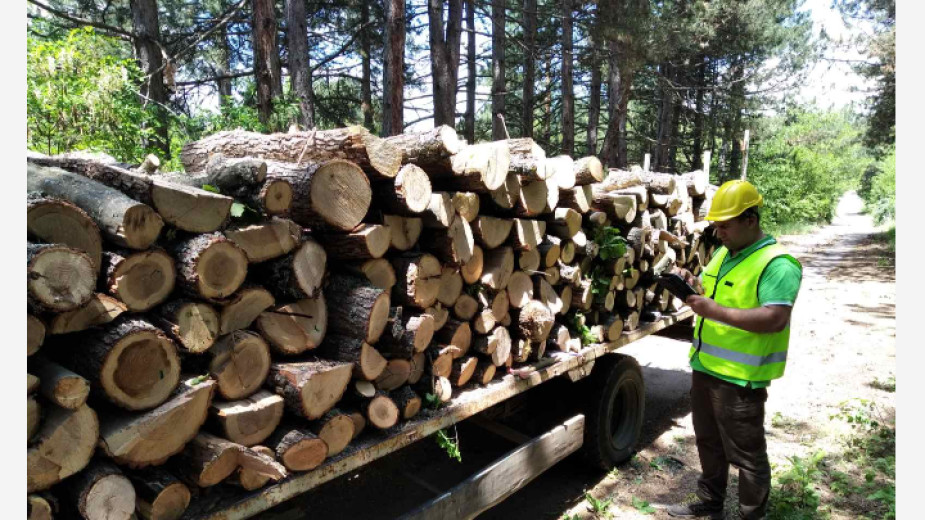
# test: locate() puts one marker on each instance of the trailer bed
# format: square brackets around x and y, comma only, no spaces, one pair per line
[225,502]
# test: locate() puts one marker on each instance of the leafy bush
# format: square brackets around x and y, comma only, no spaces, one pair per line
[881,197]
[803,161]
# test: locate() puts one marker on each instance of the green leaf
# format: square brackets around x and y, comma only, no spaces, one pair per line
[237,209]
[643,506]
[209,187]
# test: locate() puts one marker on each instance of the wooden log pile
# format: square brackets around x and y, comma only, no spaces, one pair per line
[249,317]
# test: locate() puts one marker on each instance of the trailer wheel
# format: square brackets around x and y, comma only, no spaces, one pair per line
[615,410]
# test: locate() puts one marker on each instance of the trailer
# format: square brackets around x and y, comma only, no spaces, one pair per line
[608,434]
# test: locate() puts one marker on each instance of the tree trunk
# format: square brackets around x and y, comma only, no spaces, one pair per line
[299,69]
[594,103]
[610,153]
[498,87]
[149,438]
[366,85]
[529,14]
[444,55]
[120,219]
[368,241]
[267,70]
[701,85]
[223,68]
[310,388]
[568,94]
[393,78]
[62,446]
[248,421]
[148,52]
[472,69]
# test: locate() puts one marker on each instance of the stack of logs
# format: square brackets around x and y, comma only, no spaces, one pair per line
[248,318]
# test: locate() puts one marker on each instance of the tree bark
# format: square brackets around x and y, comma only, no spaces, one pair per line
[297,275]
[444,55]
[299,68]
[209,266]
[472,69]
[568,95]
[356,307]
[148,52]
[266,241]
[393,77]
[366,85]
[159,495]
[529,14]
[498,87]
[267,70]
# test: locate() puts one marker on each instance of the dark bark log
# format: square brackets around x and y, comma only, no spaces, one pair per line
[568,95]
[59,385]
[239,362]
[333,194]
[498,88]
[403,231]
[393,80]
[295,276]
[335,428]
[266,241]
[368,241]
[356,307]
[418,280]
[407,195]
[296,327]
[192,325]
[300,71]
[529,17]
[99,492]
[310,388]
[208,266]
[159,494]
[148,52]
[267,70]
[368,363]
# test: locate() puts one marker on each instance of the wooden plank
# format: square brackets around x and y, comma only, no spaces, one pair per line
[506,475]
[230,504]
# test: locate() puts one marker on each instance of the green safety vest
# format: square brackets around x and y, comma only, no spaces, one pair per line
[729,350]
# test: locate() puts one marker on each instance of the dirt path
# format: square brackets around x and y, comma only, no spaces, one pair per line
[842,347]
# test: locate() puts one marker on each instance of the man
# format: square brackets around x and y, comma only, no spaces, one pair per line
[740,344]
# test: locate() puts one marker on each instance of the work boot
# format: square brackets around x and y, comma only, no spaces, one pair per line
[697,509]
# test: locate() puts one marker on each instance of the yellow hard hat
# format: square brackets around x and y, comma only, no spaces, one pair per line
[732,198]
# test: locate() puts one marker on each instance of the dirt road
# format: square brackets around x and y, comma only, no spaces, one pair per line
[842,347]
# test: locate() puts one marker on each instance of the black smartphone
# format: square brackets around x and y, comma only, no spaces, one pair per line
[676,285]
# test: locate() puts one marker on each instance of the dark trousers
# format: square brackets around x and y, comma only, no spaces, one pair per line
[729,425]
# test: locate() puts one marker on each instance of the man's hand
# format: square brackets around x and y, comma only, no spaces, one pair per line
[702,305]
[693,281]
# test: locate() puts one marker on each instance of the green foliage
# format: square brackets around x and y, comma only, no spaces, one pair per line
[879,190]
[433,402]
[794,492]
[803,161]
[450,444]
[643,506]
[580,327]
[611,243]
[600,507]
[81,94]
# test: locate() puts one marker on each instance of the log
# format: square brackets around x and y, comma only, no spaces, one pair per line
[418,280]
[243,307]
[100,310]
[528,159]
[547,295]
[101,492]
[466,204]
[498,268]
[439,387]
[192,325]
[549,250]
[356,307]
[42,506]
[252,480]
[637,237]
[441,364]
[403,231]
[440,212]
[463,369]
[417,331]
[59,385]
[451,285]
[535,321]
[582,296]
[208,266]
[139,279]
[519,289]
[455,333]
[119,218]
[563,168]
[491,232]
[577,198]
[478,167]
[159,495]
[613,326]
[33,416]
[440,315]
[368,241]
[407,194]
[484,372]
[565,296]
[207,460]
[418,365]
[149,438]
[310,388]
[528,234]
[407,401]
[380,410]
[231,173]
[378,158]
[567,251]
[248,421]
[566,223]
[630,320]
[367,362]
[528,259]
[431,148]
[296,276]
[266,241]
[521,350]
[336,429]
[471,271]
[378,271]
[620,179]
[452,246]
[662,183]
[130,362]
[57,221]
[297,449]
[331,194]
[505,197]
[465,307]
[695,182]
[62,446]
[484,322]
[239,362]
[35,334]
[588,170]
[59,278]
[184,207]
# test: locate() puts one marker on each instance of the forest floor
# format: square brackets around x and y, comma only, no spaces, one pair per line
[842,363]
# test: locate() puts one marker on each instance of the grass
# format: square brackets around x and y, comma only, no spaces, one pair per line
[790,228]
[888,238]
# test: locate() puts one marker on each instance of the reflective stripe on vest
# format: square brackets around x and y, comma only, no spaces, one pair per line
[729,350]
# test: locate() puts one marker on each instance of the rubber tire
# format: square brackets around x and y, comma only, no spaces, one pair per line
[616,401]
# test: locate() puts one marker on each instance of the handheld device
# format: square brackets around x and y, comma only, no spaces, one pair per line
[676,285]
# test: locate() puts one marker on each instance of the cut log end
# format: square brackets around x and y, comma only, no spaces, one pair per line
[240,363]
[296,327]
[340,194]
[141,370]
[59,278]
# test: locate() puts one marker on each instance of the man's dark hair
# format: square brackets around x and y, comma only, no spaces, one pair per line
[748,213]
